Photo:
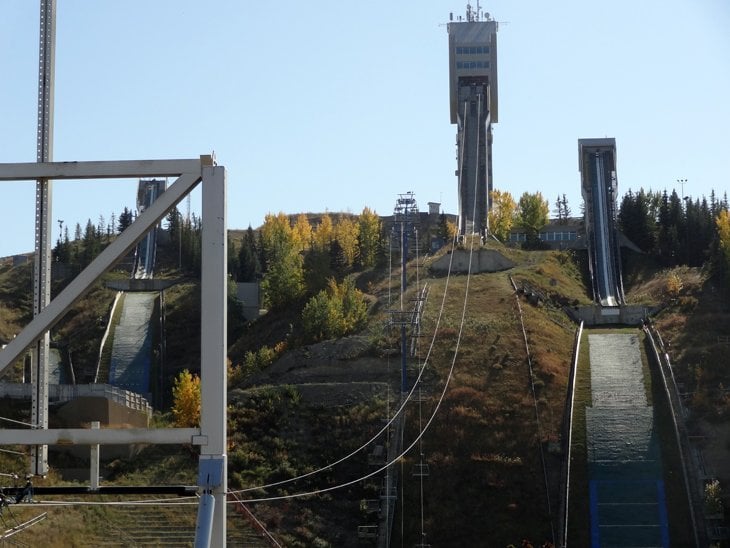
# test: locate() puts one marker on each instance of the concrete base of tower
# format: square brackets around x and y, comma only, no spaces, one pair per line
[484,260]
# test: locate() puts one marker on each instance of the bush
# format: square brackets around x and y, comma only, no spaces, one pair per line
[334,312]
[673,285]
[713,497]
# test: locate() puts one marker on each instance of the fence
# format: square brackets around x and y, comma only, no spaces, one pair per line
[68,392]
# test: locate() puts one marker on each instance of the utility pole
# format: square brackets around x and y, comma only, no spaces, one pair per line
[42,263]
[405,213]
[681,184]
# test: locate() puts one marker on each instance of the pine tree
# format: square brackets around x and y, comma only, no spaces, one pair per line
[249,268]
[558,211]
[125,219]
[338,259]
[566,209]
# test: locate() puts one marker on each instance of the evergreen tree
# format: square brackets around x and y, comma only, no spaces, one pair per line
[566,208]
[91,244]
[636,221]
[233,260]
[249,268]
[101,227]
[338,259]
[125,219]
[317,270]
[443,230]
[558,211]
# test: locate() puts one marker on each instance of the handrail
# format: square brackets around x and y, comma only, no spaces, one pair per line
[253,520]
[68,392]
[681,444]
[106,334]
[568,428]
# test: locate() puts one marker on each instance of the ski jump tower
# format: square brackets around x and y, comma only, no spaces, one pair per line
[473,98]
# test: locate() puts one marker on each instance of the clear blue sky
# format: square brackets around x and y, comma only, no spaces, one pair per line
[338,105]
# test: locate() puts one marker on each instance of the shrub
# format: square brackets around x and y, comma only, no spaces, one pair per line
[334,312]
[673,285]
[713,497]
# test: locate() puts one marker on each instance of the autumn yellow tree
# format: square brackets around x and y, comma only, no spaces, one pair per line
[186,400]
[276,233]
[722,222]
[502,214]
[302,232]
[324,233]
[369,237]
[334,312]
[533,211]
[347,231]
[284,279]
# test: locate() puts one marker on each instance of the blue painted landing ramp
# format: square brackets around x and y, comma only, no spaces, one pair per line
[627,501]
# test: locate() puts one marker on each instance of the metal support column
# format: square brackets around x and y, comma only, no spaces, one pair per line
[405,213]
[94,458]
[212,477]
[403,281]
[43,216]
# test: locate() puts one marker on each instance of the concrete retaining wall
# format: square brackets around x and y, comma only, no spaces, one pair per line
[615,315]
[484,260]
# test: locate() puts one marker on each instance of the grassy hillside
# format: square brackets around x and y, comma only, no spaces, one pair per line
[695,327]
[486,481]
[488,439]
[16,298]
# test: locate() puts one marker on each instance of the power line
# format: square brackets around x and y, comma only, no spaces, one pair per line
[327,467]
[426,427]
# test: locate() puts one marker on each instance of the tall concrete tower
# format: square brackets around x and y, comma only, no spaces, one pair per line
[473,98]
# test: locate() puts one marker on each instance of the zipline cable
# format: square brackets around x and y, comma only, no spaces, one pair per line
[418,438]
[327,467]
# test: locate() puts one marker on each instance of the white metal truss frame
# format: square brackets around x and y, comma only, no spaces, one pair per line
[211,436]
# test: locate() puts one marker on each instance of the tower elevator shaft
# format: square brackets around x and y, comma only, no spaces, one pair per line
[474,141]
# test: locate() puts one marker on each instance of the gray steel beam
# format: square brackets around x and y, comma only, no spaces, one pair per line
[212,478]
[104,436]
[123,169]
[106,259]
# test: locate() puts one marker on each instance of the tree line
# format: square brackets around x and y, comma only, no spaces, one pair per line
[302,261]
[674,230]
[530,213]
[88,242]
